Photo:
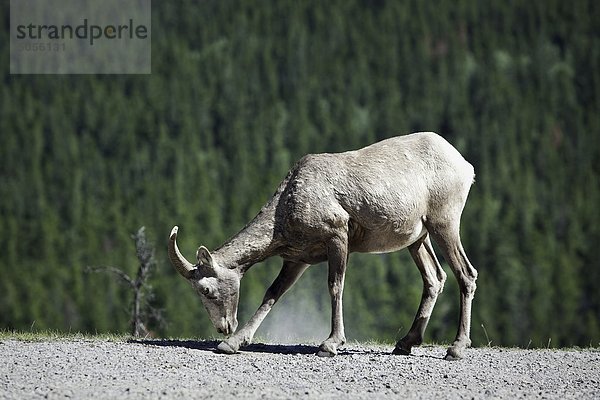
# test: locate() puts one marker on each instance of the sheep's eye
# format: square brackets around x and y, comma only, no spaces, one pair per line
[208,294]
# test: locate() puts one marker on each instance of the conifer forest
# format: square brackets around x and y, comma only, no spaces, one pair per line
[239,91]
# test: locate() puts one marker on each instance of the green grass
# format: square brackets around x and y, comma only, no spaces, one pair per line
[50,335]
[55,335]
[373,342]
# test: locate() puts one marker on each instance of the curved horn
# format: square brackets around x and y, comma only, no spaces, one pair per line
[183,266]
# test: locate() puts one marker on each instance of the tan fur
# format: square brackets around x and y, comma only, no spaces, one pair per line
[393,194]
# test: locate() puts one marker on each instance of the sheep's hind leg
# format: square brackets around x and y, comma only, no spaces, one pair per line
[447,237]
[433,283]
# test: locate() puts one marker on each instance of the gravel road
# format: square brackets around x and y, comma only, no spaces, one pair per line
[81,369]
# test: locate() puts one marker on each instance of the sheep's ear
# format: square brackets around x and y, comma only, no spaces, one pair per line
[204,257]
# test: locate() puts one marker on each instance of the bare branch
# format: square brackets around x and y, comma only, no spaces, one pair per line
[115,271]
[142,292]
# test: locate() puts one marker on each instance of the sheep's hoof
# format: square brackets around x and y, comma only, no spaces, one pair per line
[327,349]
[323,353]
[401,352]
[226,348]
[453,354]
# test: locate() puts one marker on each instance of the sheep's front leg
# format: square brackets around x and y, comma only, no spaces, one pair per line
[289,274]
[337,254]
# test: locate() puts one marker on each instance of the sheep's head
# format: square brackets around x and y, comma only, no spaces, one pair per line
[217,286]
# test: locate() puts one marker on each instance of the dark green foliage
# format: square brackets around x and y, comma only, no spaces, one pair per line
[240,90]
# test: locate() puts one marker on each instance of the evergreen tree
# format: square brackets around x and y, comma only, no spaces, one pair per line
[240,90]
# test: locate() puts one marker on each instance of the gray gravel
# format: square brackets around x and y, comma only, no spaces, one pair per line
[190,369]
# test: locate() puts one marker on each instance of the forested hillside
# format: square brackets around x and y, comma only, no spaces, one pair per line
[241,89]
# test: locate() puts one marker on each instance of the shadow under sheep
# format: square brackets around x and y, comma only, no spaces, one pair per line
[211,345]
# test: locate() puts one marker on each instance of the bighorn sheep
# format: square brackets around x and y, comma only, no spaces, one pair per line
[390,195]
